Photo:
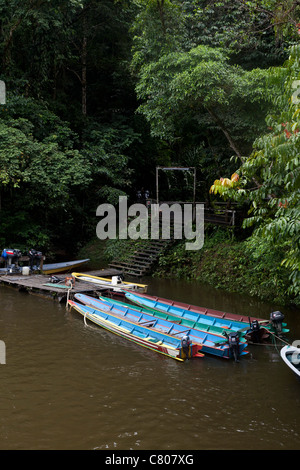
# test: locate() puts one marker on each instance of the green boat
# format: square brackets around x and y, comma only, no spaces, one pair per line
[257,330]
[214,327]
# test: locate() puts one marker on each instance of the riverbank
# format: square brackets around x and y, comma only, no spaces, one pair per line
[239,266]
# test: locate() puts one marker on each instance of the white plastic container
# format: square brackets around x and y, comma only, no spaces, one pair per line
[25,270]
[115,280]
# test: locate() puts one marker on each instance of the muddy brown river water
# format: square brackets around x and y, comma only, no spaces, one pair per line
[69,386]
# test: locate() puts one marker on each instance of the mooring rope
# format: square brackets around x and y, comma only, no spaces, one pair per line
[268,344]
[68,296]
[69,307]
[274,343]
[274,337]
[280,339]
[69,282]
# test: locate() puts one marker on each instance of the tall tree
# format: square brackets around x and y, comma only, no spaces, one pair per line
[202,86]
[269,180]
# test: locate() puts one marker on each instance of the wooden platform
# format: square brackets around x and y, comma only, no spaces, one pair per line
[38,284]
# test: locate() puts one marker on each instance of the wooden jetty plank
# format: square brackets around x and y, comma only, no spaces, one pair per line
[38,284]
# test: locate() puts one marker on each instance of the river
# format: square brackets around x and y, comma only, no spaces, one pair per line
[69,386]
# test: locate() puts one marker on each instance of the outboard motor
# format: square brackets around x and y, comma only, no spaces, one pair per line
[11,256]
[234,341]
[276,319]
[17,256]
[35,258]
[254,331]
[185,343]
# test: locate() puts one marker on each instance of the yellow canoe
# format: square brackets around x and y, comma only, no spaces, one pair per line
[115,283]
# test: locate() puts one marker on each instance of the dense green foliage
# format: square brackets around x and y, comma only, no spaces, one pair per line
[68,129]
[248,266]
[270,176]
[100,93]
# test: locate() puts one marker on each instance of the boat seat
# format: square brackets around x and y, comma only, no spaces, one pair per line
[162,315]
[202,326]
[185,322]
[173,319]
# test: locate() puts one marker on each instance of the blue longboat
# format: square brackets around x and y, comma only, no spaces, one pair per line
[200,322]
[184,312]
[258,327]
[213,326]
[163,343]
[214,344]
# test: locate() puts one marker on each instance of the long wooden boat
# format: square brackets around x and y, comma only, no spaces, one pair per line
[211,325]
[214,344]
[291,357]
[194,312]
[62,267]
[52,268]
[114,283]
[160,342]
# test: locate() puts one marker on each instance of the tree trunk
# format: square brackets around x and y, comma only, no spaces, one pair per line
[83,65]
[226,133]
[160,5]
[83,74]
[230,140]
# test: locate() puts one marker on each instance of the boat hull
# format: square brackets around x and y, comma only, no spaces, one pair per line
[187,313]
[171,304]
[138,335]
[106,282]
[229,320]
[55,268]
[209,325]
[210,343]
[291,357]
[52,268]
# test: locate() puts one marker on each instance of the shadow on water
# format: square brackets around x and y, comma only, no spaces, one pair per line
[70,386]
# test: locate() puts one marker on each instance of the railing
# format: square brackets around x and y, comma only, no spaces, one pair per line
[218,214]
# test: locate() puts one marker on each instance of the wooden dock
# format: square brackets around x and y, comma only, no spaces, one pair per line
[38,284]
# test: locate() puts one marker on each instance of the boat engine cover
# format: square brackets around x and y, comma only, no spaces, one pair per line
[277,319]
[277,316]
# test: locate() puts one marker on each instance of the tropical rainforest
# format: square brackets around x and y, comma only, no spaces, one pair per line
[98,93]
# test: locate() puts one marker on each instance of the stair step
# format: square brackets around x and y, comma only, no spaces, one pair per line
[125,268]
[125,264]
[135,273]
[143,258]
[141,262]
